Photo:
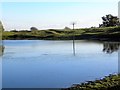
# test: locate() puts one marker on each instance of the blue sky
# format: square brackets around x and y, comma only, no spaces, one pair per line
[45,15]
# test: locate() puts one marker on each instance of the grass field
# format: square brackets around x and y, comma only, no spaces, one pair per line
[106,33]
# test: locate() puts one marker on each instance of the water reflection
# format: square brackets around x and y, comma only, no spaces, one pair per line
[1,50]
[110,47]
[119,61]
[44,64]
[1,47]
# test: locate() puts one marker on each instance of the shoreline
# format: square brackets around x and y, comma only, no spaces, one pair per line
[99,34]
[86,39]
[111,82]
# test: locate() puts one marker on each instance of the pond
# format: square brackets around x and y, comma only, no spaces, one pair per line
[52,64]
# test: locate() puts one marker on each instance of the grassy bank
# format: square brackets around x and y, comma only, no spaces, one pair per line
[106,33]
[111,82]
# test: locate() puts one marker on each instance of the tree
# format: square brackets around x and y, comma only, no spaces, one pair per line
[33,29]
[110,20]
[1,27]
[1,30]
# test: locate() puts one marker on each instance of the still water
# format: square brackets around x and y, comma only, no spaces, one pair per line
[51,64]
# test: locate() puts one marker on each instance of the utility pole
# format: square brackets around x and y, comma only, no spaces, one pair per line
[73,39]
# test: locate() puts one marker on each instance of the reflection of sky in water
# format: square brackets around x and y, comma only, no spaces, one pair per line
[0,42]
[51,63]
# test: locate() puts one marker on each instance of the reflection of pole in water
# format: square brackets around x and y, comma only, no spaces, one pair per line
[73,39]
[119,61]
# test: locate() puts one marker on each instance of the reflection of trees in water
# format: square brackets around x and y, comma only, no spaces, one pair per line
[1,50]
[110,47]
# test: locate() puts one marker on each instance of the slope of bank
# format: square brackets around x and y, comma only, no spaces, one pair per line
[111,82]
[106,33]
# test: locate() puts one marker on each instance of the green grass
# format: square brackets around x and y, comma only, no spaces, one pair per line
[86,33]
[111,82]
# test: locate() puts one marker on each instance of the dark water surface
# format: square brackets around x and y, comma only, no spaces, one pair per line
[51,64]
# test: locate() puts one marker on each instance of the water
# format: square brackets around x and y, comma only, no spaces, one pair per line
[51,64]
